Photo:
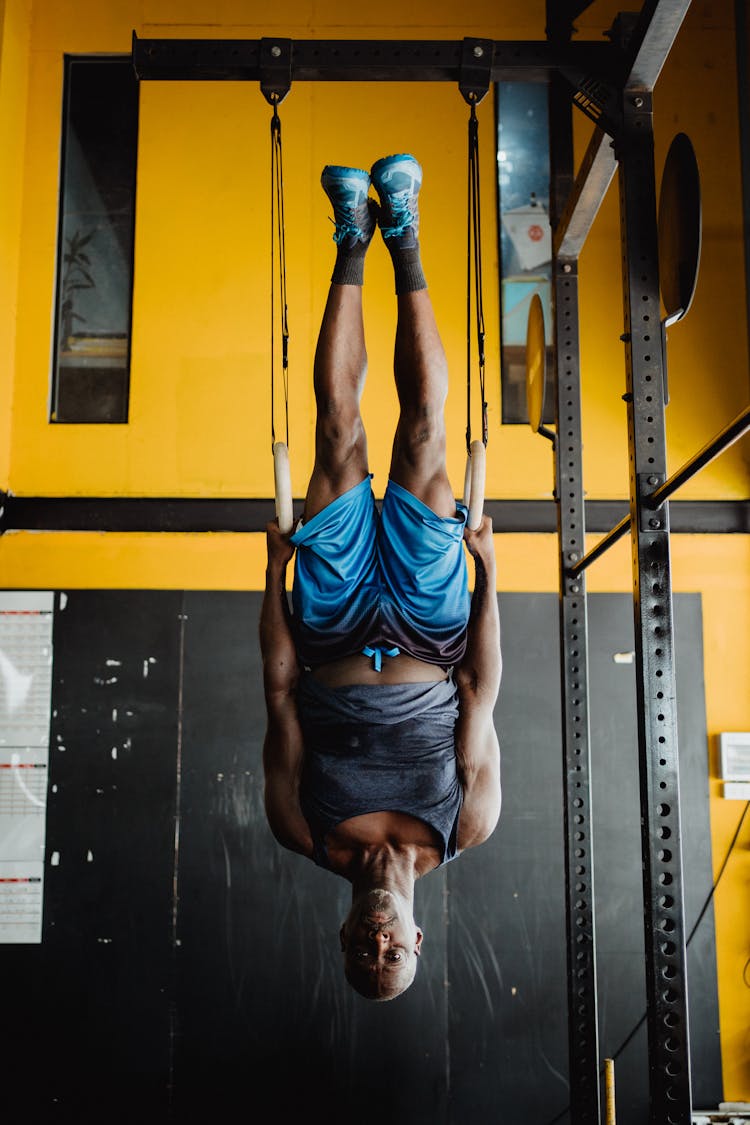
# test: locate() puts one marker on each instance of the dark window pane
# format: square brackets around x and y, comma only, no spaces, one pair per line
[95,241]
[525,236]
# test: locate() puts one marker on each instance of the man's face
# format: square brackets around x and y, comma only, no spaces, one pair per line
[381,943]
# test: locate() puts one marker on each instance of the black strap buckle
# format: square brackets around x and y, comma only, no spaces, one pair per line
[275,69]
[475,72]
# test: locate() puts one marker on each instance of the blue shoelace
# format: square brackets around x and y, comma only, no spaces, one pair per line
[346,219]
[401,214]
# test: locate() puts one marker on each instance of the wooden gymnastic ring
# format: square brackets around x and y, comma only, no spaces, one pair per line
[475,474]
[283,487]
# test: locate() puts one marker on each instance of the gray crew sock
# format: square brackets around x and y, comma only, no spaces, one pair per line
[407,266]
[350,264]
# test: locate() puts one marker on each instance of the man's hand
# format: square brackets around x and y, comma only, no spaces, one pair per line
[280,550]
[480,543]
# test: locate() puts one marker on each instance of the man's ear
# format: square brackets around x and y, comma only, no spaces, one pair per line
[342,937]
[418,943]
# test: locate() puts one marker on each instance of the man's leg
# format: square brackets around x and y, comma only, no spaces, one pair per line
[418,459]
[421,371]
[340,356]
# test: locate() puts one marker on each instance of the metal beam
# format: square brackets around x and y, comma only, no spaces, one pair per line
[583,1031]
[655,32]
[365,60]
[187,514]
[663,913]
[653,500]
[645,54]
[710,451]
[609,540]
[594,177]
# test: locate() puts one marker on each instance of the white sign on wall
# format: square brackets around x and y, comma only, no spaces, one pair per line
[25,693]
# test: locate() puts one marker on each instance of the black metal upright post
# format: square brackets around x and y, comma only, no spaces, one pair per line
[583,1038]
[666,983]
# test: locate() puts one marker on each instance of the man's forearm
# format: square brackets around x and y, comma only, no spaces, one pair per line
[276,641]
[481,666]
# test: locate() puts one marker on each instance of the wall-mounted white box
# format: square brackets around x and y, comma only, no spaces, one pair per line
[736,790]
[734,756]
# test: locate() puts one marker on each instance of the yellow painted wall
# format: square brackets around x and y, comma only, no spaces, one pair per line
[199,419]
[15,24]
[200,389]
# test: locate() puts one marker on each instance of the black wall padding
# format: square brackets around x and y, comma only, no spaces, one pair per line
[190,970]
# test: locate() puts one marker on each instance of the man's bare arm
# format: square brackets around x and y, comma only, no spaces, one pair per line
[478,682]
[481,667]
[283,748]
[280,668]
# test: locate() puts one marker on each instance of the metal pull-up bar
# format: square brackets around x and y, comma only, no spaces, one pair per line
[653,500]
[364,60]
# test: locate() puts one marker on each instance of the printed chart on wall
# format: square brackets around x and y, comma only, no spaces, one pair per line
[25,692]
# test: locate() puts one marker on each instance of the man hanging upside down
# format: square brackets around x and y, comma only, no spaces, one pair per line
[381,759]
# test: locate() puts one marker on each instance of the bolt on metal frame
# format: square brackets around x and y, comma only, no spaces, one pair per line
[612,84]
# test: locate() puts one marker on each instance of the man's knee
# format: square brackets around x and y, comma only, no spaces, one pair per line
[339,437]
[421,433]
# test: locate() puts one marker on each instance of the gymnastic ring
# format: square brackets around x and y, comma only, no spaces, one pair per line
[283,487]
[476,467]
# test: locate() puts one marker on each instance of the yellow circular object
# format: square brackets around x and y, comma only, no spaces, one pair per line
[536,363]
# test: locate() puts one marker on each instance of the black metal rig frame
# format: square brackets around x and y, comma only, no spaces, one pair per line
[612,83]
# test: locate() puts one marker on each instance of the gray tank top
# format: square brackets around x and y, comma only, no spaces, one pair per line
[379,748]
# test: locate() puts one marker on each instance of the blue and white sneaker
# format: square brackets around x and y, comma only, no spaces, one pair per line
[347,190]
[397,180]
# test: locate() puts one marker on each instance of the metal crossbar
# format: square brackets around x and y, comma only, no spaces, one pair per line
[364,60]
[653,500]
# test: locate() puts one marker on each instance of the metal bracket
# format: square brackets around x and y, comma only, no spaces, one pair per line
[621,33]
[652,519]
[596,98]
[275,69]
[475,69]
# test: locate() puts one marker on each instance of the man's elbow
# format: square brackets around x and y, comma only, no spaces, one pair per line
[488,820]
[493,811]
[279,687]
[480,685]
[286,830]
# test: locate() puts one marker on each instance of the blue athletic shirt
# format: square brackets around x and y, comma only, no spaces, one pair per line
[379,748]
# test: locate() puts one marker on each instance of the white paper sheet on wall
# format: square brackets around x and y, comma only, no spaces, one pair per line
[25,690]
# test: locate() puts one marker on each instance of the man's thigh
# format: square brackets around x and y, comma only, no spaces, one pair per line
[422,560]
[336,568]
